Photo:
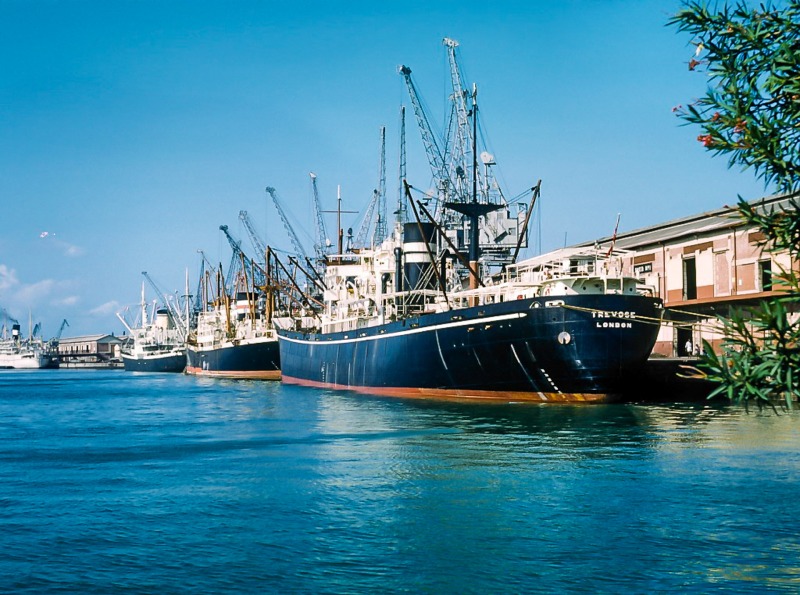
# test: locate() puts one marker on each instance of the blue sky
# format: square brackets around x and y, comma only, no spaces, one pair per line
[131,130]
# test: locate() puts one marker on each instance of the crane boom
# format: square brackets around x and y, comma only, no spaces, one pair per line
[55,340]
[298,247]
[463,142]
[361,237]
[258,245]
[178,317]
[236,248]
[464,173]
[125,323]
[401,196]
[64,323]
[380,223]
[432,149]
[207,262]
[321,241]
[377,203]
[198,298]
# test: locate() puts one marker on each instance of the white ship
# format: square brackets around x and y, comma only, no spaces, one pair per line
[158,341]
[19,353]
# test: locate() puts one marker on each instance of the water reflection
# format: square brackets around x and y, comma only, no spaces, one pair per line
[479,435]
[536,488]
[251,486]
[588,428]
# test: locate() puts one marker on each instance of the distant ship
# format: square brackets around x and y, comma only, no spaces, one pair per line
[440,307]
[233,336]
[158,345]
[234,340]
[30,353]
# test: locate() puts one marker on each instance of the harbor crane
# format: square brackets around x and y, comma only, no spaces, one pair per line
[259,277]
[258,245]
[321,241]
[205,260]
[64,323]
[296,245]
[456,163]
[463,141]
[378,203]
[198,297]
[436,158]
[236,248]
[380,223]
[174,312]
[55,340]
[401,215]
[360,240]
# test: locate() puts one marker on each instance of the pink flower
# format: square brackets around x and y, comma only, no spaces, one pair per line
[706,139]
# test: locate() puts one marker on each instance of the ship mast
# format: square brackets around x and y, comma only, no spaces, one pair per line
[474,210]
[340,233]
[474,142]
[144,308]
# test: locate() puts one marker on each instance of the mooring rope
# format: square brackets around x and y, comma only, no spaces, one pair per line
[689,313]
[647,319]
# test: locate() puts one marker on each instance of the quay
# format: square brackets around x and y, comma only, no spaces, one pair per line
[665,380]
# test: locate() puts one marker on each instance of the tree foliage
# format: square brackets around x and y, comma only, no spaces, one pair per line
[751,110]
[751,114]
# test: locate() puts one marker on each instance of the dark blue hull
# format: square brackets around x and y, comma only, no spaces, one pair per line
[173,362]
[571,348]
[245,360]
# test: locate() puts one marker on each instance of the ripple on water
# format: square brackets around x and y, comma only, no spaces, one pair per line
[112,481]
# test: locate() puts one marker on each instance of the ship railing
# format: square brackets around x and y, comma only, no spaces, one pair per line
[338,325]
[494,293]
[364,306]
[416,302]
[571,261]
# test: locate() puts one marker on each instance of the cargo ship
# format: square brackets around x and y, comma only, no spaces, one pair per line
[563,330]
[157,342]
[234,340]
[442,308]
[232,334]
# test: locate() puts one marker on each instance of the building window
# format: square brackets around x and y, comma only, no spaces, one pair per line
[689,279]
[765,274]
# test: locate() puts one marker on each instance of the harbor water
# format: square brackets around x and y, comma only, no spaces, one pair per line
[164,483]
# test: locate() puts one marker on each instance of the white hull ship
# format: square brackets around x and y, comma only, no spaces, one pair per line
[27,354]
[157,346]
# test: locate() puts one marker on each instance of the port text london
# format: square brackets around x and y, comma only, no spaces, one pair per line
[621,314]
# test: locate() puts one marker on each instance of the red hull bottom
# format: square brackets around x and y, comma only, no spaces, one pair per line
[254,374]
[464,395]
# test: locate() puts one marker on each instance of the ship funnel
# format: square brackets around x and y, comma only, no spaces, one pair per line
[418,245]
[15,332]
[163,319]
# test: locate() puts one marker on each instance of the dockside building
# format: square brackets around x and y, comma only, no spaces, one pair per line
[701,266]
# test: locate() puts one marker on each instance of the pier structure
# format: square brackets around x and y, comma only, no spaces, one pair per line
[702,266]
[90,351]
